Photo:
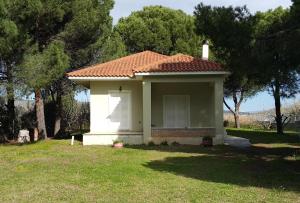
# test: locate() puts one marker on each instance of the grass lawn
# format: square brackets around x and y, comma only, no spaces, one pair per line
[54,171]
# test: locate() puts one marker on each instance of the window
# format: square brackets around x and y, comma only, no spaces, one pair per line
[176,111]
[119,110]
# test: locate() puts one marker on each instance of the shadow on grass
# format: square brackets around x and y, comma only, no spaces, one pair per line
[266,164]
[257,167]
[15,143]
[68,135]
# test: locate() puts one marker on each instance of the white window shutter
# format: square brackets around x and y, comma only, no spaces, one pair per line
[176,111]
[125,111]
[119,111]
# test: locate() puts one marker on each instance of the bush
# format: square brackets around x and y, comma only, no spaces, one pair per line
[175,143]
[164,143]
[226,123]
[76,114]
[207,142]
[118,142]
[28,120]
[151,144]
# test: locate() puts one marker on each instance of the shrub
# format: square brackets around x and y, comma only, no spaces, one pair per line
[207,142]
[175,143]
[151,144]
[118,142]
[164,143]
[226,123]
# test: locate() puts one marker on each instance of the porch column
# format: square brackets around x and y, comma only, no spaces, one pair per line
[147,111]
[218,96]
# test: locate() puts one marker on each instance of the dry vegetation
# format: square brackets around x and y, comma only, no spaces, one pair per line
[266,119]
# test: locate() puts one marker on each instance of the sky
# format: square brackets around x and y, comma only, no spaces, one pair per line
[262,101]
[123,8]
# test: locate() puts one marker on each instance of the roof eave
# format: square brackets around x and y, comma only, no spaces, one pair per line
[97,78]
[124,78]
[183,73]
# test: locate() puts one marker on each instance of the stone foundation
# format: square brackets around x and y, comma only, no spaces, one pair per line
[189,136]
[190,132]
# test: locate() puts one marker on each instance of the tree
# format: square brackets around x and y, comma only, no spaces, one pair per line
[277,52]
[231,33]
[42,69]
[62,34]
[13,42]
[160,29]
[112,48]
[85,36]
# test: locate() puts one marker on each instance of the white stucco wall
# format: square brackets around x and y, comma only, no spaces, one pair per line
[99,118]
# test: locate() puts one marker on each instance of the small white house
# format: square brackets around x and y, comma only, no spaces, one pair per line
[153,97]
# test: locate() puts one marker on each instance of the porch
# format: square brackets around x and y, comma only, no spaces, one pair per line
[183,110]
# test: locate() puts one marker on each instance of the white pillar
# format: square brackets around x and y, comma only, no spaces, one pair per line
[218,97]
[147,111]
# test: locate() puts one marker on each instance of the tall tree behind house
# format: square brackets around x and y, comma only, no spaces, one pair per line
[231,33]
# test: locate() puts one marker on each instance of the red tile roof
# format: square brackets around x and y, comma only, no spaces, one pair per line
[146,62]
[180,63]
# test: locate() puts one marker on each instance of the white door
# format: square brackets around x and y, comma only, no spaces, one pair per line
[176,111]
[119,110]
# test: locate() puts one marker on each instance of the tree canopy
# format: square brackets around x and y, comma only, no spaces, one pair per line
[59,35]
[278,56]
[160,29]
[43,68]
[231,33]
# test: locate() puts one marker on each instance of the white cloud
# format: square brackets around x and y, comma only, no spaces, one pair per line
[123,8]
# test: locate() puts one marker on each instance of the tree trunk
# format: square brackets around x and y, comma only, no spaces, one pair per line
[10,102]
[237,120]
[11,115]
[58,127]
[58,113]
[276,94]
[237,105]
[40,114]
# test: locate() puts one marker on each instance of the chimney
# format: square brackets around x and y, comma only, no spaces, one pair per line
[205,50]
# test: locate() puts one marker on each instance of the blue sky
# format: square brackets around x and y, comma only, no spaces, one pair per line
[123,8]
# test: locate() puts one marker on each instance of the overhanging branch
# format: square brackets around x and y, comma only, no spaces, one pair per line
[228,107]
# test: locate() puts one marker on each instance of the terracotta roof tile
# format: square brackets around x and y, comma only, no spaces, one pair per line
[122,67]
[180,63]
[144,62]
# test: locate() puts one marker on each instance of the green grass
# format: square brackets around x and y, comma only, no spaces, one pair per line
[54,171]
[266,137]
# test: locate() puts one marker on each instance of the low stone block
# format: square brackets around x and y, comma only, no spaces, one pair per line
[23,136]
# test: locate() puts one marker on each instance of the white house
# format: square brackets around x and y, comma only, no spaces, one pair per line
[153,97]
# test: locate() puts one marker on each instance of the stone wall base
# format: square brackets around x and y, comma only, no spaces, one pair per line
[180,140]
